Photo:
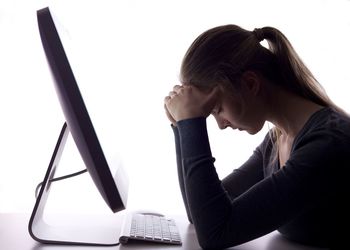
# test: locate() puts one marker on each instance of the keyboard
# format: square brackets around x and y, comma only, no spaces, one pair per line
[153,228]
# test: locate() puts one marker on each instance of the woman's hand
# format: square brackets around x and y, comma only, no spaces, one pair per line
[185,102]
[171,119]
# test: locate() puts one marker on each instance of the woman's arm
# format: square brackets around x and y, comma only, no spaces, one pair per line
[180,171]
[235,183]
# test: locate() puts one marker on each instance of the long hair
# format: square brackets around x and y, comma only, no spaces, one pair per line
[221,54]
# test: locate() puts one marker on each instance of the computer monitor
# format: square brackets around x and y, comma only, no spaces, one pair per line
[113,189]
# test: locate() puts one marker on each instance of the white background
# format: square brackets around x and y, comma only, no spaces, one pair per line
[126,57]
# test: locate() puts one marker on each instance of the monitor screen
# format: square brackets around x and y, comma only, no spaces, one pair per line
[113,188]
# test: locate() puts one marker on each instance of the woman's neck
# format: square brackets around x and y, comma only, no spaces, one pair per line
[290,112]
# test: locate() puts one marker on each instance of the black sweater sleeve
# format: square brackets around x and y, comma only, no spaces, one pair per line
[232,186]
[180,171]
[240,180]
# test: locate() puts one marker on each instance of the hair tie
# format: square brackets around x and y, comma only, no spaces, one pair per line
[259,34]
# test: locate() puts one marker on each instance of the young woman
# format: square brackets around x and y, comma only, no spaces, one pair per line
[295,181]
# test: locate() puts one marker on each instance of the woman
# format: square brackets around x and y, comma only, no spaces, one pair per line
[295,180]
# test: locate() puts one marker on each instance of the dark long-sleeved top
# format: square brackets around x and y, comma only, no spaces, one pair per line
[305,200]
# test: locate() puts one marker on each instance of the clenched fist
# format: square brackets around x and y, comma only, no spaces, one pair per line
[186,101]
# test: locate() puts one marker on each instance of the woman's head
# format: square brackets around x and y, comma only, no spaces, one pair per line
[222,56]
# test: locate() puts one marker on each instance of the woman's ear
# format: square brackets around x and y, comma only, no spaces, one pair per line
[252,82]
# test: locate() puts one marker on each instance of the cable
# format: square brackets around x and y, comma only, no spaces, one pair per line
[59,179]
[62,178]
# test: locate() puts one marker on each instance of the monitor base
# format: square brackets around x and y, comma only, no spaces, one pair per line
[75,229]
[70,229]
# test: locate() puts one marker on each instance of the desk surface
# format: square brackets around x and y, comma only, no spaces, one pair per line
[14,235]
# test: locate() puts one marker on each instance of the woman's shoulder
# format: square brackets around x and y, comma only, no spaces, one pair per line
[328,120]
[329,124]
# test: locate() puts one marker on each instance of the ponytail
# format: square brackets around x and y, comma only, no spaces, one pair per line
[296,77]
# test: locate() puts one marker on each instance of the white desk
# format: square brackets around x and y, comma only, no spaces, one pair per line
[14,236]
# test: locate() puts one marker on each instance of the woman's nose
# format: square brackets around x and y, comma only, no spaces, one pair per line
[222,123]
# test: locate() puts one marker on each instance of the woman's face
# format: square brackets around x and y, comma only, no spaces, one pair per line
[240,110]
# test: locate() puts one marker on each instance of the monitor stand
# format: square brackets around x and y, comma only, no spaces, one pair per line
[79,229]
